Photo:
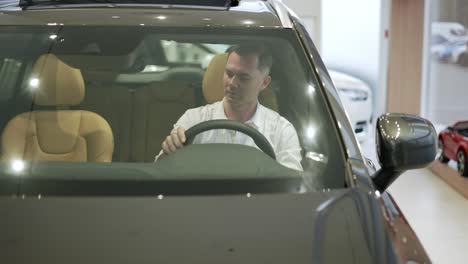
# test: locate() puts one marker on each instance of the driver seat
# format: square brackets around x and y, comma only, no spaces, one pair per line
[57,135]
[213,84]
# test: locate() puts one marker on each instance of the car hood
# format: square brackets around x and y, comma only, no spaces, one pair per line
[342,80]
[281,228]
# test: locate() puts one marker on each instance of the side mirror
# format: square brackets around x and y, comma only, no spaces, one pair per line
[450,129]
[404,142]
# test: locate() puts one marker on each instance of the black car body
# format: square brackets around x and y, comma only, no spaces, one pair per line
[207,203]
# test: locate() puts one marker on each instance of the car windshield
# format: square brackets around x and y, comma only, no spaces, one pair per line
[93,104]
[462,128]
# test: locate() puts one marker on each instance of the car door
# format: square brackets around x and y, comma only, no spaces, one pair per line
[458,137]
[451,143]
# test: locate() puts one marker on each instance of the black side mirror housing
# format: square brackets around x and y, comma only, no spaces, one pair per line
[404,142]
[450,129]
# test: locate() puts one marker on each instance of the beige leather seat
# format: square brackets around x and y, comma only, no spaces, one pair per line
[114,103]
[213,84]
[57,135]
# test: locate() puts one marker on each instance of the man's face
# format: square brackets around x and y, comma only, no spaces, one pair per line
[243,81]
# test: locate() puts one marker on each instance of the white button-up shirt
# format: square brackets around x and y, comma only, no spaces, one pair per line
[277,130]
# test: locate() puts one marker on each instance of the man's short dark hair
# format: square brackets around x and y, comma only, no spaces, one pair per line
[265,59]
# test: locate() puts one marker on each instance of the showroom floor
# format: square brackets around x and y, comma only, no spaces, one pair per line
[437,213]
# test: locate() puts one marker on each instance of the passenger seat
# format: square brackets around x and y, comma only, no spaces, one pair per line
[114,103]
[57,135]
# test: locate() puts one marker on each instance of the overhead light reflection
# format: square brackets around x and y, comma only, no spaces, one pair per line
[317,157]
[248,22]
[17,166]
[34,83]
[161,17]
[310,132]
[53,36]
[311,90]
[167,43]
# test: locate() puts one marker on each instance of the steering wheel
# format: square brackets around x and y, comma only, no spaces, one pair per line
[259,139]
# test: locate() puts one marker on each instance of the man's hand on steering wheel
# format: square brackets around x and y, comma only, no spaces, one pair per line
[178,138]
[174,141]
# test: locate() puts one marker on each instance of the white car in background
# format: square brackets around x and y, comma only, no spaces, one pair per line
[356,97]
[448,41]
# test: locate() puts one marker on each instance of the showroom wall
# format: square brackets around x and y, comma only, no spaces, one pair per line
[310,13]
[405,62]
[351,40]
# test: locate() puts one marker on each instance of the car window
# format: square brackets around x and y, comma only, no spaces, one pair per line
[462,128]
[9,72]
[185,53]
[85,104]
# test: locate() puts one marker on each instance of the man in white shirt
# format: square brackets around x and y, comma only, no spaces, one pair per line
[246,75]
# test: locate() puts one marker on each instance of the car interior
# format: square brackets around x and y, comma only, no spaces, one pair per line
[61,134]
[123,104]
[102,103]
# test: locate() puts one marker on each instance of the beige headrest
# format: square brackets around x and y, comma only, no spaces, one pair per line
[56,83]
[213,80]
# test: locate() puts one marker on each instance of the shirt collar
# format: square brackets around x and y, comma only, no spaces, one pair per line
[255,120]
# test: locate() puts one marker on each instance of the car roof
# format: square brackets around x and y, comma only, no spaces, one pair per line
[249,13]
[460,122]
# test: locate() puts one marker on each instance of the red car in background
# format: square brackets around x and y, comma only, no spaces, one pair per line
[453,145]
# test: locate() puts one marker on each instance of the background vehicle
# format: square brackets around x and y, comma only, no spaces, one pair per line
[453,145]
[450,52]
[447,31]
[83,118]
[462,56]
[449,41]
[356,96]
